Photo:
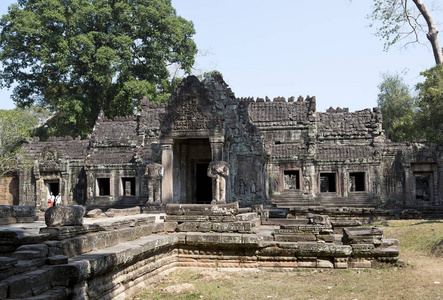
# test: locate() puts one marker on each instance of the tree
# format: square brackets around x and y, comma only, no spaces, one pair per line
[14,130]
[77,57]
[400,20]
[430,103]
[398,108]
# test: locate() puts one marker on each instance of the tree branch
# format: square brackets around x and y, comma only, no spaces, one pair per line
[432,31]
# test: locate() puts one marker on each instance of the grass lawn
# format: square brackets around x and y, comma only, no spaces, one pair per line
[420,278]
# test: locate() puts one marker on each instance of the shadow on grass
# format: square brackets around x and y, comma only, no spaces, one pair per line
[428,222]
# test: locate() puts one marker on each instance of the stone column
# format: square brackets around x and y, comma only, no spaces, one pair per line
[167,182]
[439,199]
[409,185]
[217,144]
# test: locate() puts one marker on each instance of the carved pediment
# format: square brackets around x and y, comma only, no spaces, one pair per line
[49,158]
[189,117]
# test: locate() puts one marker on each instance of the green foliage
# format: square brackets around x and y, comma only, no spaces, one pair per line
[14,129]
[430,103]
[398,108]
[213,73]
[77,57]
[391,17]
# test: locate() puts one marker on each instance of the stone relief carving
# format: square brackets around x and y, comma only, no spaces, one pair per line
[189,117]
[218,171]
[154,172]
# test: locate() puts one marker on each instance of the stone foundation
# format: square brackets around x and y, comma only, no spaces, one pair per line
[118,256]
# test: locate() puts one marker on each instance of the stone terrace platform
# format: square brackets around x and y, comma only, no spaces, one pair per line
[115,257]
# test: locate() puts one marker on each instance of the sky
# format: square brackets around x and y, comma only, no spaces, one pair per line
[287,48]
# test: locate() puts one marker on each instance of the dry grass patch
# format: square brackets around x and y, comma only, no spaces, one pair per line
[420,278]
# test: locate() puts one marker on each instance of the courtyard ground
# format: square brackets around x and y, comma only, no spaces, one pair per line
[421,277]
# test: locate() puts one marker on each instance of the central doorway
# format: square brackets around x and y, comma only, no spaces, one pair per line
[203,184]
[191,182]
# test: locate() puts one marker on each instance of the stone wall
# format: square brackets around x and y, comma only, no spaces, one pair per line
[9,187]
[280,152]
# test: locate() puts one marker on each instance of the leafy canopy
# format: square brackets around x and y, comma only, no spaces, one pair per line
[15,126]
[430,103]
[77,57]
[398,108]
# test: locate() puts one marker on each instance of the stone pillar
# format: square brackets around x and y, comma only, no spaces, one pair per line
[167,182]
[439,199]
[409,185]
[217,144]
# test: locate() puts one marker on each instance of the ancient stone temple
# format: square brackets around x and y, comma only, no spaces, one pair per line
[282,153]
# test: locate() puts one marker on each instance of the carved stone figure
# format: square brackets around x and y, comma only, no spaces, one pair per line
[218,171]
[154,172]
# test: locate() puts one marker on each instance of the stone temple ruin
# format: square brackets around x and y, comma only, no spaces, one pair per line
[221,182]
[281,153]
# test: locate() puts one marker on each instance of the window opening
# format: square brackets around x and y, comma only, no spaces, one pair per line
[291,179]
[128,184]
[104,186]
[327,183]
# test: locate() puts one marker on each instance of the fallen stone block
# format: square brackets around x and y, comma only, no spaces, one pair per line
[203,209]
[95,213]
[362,235]
[58,260]
[57,216]
[41,249]
[61,233]
[363,250]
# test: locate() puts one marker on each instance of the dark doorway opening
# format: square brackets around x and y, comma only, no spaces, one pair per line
[104,186]
[53,187]
[423,186]
[203,184]
[357,181]
[327,183]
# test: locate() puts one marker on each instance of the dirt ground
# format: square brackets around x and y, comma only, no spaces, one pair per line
[420,278]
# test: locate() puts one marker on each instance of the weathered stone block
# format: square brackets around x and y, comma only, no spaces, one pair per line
[58,260]
[307,249]
[328,238]
[23,211]
[183,218]
[203,209]
[325,263]
[7,263]
[57,216]
[61,233]
[307,262]
[386,252]
[246,216]
[295,237]
[360,263]
[95,213]
[359,250]
[318,219]
[341,262]
[362,235]
[54,248]
[343,250]
[3,290]
[41,249]
[26,255]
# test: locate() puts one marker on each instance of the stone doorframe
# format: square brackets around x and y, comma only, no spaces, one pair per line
[167,156]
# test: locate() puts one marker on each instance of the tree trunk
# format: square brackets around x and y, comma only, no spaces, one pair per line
[433,31]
